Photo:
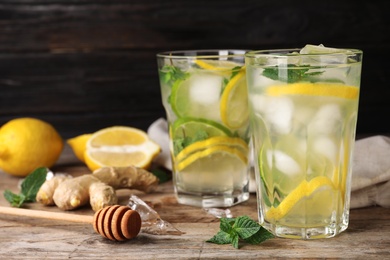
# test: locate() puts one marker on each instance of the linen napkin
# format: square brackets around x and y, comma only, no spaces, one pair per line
[370,168]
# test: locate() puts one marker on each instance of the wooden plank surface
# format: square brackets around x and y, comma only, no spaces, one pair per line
[368,236]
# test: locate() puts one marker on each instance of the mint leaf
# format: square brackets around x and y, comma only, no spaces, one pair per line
[259,237]
[226,225]
[227,234]
[221,238]
[29,188]
[14,199]
[180,143]
[235,240]
[170,74]
[199,136]
[246,227]
[161,175]
[235,70]
[290,73]
[225,81]
[241,229]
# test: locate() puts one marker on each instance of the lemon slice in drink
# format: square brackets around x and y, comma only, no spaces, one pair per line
[189,127]
[234,102]
[120,146]
[207,158]
[216,65]
[315,89]
[308,198]
[231,142]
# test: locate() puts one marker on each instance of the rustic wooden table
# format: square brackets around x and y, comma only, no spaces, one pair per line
[368,235]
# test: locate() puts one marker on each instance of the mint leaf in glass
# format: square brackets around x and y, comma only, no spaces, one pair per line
[290,74]
[170,74]
[182,142]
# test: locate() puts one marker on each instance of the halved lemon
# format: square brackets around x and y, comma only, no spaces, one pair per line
[234,102]
[79,145]
[208,157]
[309,198]
[315,89]
[120,146]
[230,142]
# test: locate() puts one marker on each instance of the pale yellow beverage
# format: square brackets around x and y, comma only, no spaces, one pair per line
[303,119]
[205,97]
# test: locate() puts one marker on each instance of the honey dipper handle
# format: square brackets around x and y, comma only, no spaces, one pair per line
[46,214]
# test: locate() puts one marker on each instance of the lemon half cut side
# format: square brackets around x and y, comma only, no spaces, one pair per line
[120,146]
[79,145]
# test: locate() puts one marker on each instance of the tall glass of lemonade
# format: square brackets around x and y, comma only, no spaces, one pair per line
[303,115]
[205,97]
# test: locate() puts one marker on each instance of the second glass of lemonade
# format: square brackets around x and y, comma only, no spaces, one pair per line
[304,105]
[205,97]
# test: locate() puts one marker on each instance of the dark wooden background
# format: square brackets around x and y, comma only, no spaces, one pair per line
[88,64]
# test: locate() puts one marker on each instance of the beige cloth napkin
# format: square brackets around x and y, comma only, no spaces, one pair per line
[370,173]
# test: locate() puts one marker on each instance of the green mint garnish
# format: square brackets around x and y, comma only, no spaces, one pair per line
[161,175]
[225,81]
[182,142]
[235,70]
[170,74]
[29,188]
[240,230]
[291,73]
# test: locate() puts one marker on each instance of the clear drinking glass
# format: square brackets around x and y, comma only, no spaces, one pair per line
[205,97]
[303,115]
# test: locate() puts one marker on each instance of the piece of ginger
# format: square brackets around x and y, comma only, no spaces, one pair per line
[97,188]
[101,195]
[46,192]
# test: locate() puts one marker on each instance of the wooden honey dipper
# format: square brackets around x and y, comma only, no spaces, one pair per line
[117,223]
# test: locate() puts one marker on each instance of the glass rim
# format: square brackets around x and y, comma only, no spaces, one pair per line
[294,52]
[203,53]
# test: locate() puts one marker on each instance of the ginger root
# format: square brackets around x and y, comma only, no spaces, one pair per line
[97,188]
[46,192]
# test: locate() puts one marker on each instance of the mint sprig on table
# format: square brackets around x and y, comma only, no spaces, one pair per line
[240,230]
[290,74]
[29,188]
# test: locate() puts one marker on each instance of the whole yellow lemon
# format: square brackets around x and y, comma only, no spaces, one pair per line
[26,144]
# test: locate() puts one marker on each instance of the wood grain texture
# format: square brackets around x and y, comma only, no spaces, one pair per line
[84,65]
[368,235]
